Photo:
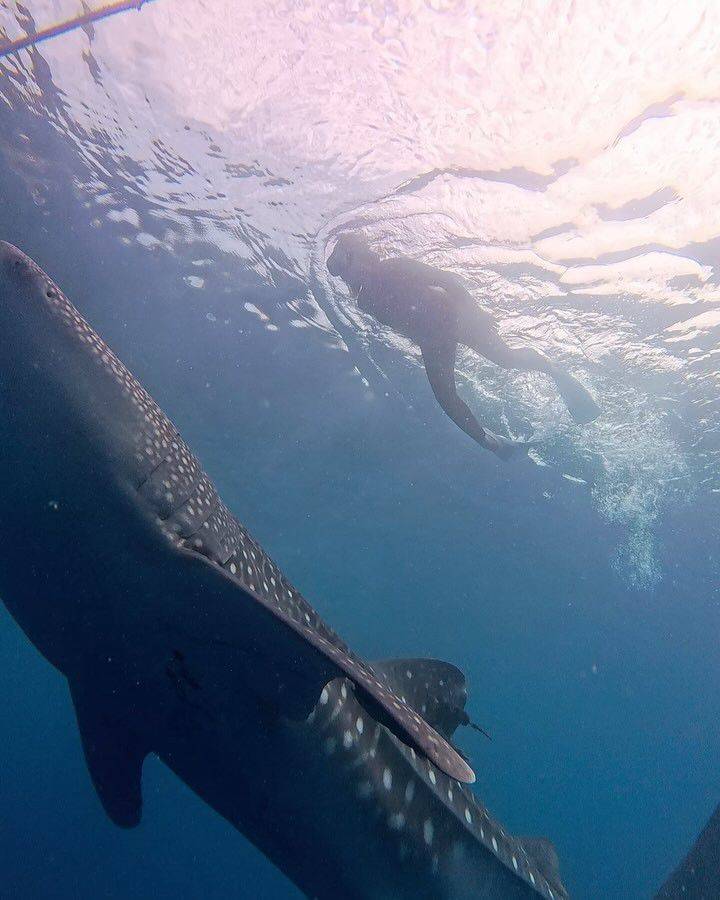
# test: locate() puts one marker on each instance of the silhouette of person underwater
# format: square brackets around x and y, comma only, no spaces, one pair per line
[434,310]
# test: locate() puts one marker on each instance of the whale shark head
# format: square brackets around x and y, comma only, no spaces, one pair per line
[26,298]
[31,337]
[40,330]
[27,294]
[61,386]
[18,270]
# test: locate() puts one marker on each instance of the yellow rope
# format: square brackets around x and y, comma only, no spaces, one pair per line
[87,18]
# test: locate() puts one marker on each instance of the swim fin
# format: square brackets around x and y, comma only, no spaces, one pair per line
[579,401]
[506,448]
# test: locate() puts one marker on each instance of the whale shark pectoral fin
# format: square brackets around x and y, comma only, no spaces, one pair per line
[114,751]
[294,661]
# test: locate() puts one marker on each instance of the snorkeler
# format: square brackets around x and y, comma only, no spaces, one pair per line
[434,310]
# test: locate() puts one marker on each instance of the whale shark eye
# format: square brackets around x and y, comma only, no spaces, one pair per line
[51,293]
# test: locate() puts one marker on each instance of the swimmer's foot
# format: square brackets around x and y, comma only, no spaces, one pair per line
[578,399]
[504,447]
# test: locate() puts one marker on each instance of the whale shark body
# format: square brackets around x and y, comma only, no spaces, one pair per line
[180,637]
[697,877]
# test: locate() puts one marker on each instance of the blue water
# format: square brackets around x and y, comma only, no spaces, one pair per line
[597,681]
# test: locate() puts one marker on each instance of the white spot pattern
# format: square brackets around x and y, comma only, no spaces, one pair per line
[428,831]
[186,503]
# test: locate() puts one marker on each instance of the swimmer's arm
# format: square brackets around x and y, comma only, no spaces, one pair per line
[440,368]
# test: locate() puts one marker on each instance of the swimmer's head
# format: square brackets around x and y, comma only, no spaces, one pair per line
[350,252]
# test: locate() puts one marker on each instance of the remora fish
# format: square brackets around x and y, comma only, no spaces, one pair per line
[180,637]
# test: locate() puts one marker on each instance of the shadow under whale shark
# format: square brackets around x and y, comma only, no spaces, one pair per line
[180,637]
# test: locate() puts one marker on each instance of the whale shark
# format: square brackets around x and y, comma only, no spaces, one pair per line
[180,637]
[697,877]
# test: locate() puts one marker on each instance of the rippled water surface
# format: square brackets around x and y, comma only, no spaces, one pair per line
[184,170]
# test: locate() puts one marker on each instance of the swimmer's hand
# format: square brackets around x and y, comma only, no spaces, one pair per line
[506,448]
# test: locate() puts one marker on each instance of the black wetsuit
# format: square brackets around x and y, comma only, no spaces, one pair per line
[414,299]
[434,310]
[427,305]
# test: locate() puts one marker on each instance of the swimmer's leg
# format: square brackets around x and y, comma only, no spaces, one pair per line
[480,334]
[578,399]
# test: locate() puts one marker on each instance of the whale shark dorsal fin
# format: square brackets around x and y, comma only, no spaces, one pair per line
[114,750]
[433,688]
